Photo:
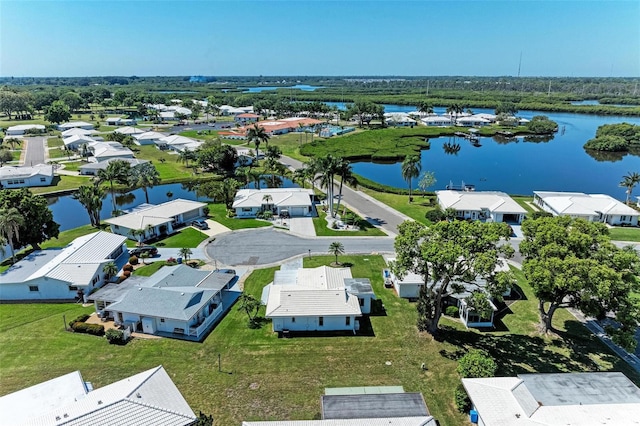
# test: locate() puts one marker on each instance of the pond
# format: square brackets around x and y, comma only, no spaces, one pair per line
[69,213]
[304,87]
[521,165]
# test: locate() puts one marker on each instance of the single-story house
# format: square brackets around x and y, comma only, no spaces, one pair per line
[554,399]
[149,397]
[246,118]
[119,121]
[366,406]
[437,121]
[317,299]
[74,142]
[178,143]
[176,301]
[108,150]
[472,121]
[63,273]
[147,138]
[230,110]
[275,127]
[21,129]
[76,124]
[91,169]
[291,201]
[26,176]
[492,206]
[155,220]
[129,130]
[491,117]
[398,119]
[77,132]
[592,207]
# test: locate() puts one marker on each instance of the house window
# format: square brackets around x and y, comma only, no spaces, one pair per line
[42,179]
[94,280]
[33,288]
[247,209]
[320,321]
[293,319]
[623,218]
[73,288]
[347,321]
[161,319]
[116,227]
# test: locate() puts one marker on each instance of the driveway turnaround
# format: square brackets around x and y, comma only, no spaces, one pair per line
[269,246]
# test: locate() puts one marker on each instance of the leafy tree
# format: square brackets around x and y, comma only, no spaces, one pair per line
[476,364]
[186,156]
[5,156]
[57,113]
[185,252]
[218,158]
[427,180]
[630,181]
[38,219]
[117,171]
[540,124]
[572,263]
[251,306]
[10,223]
[508,108]
[257,134]
[410,170]
[447,254]
[222,190]
[203,420]
[336,248]
[145,176]
[607,143]
[91,196]
[14,102]
[72,100]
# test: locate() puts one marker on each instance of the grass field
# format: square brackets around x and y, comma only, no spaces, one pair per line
[62,183]
[218,212]
[415,210]
[625,234]
[366,229]
[266,378]
[187,237]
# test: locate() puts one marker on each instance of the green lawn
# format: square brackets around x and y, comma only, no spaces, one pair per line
[62,183]
[187,237]
[264,377]
[151,268]
[415,210]
[625,234]
[218,212]
[56,153]
[54,142]
[366,229]
[167,163]
[523,201]
[66,237]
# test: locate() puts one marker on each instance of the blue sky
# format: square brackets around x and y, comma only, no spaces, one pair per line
[98,37]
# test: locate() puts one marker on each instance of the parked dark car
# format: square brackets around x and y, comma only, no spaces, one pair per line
[226,271]
[200,224]
[150,250]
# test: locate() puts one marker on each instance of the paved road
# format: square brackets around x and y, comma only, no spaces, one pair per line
[268,246]
[367,207]
[35,151]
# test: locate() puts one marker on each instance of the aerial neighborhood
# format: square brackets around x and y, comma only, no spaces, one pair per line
[249,251]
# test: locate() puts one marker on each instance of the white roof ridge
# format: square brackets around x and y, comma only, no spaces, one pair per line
[151,374]
[155,407]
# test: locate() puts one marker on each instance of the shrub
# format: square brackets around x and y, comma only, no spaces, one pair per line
[435,215]
[607,143]
[115,337]
[171,261]
[463,403]
[127,267]
[80,318]
[451,311]
[334,225]
[206,210]
[93,329]
[476,364]
[231,213]
[127,274]
[133,260]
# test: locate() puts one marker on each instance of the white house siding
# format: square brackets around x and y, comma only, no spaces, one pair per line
[618,220]
[312,323]
[247,211]
[38,180]
[407,291]
[48,289]
[365,303]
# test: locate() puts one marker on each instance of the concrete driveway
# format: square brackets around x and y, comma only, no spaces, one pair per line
[271,246]
[34,151]
[302,226]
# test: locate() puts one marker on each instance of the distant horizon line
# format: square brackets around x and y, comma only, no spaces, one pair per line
[360,76]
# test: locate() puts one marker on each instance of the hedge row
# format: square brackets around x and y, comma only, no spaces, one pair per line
[93,329]
[80,318]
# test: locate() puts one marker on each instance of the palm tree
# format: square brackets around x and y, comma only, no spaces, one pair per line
[137,234]
[10,222]
[300,176]
[410,170]
[110,269]
[257,135]
[345,171]
[425,107]
[185,252]
[12,142]
[145,176]
[186,156]
[324,170]
[336,248]
[91,196]
[267,199]
[629,181]
[117,171]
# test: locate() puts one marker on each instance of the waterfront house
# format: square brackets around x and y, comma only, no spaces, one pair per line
[76,124]
[91,169]
[26,176]
[21,129]
[74,142]
[149,398]
[157,220]
[147,138]
[437,121]
[554,399]
[492,206]
[591,207]
[176,301]
[281,201]
[102,151]
[472,121]
[317,299]
[399,119]
[63,273]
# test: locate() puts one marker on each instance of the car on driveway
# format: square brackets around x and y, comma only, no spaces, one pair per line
[200,224]
[150,250]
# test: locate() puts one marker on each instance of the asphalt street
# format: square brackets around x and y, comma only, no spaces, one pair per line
[34,152]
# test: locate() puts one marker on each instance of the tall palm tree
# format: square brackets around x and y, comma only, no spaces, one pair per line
[116,171]
[267,199]
[10,222]
[300,176]
[426,107]
[257,135]
[110,269]
[410,170]
[345,171]
[91,196]
[145,176]
[629,181]
[336,248]
[324,169]
[186,156]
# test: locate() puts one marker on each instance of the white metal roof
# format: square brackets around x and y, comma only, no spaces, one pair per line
[286,301]
[148,135]
[128,130]
[281,197]
[155,215]
[388,421]
[580,204]
[149,397]
[322,277]
[72,124]
[77,131]
[24,127]
[13,172]
[493,201]
[176,140]
[82,139]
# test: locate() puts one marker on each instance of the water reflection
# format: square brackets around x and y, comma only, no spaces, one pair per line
[451,148]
